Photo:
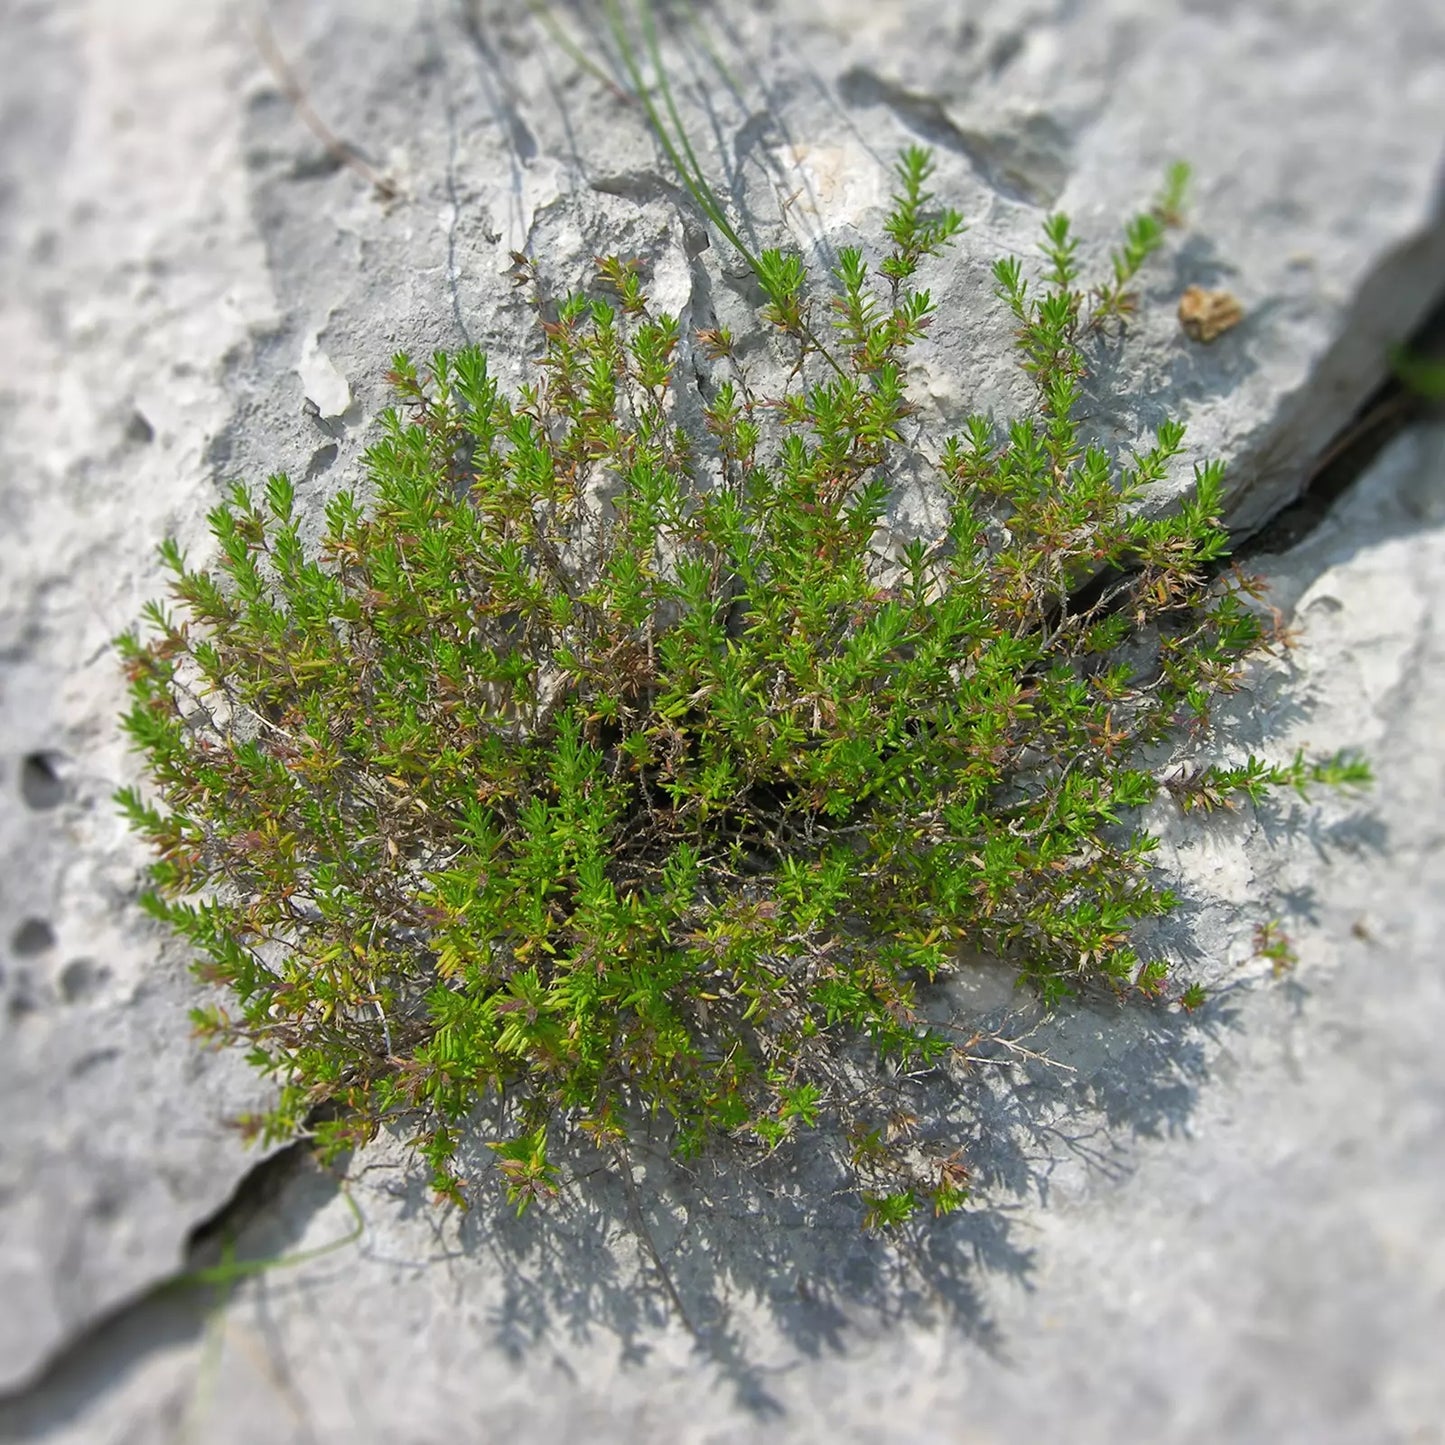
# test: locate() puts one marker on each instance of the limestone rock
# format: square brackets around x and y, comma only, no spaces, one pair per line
[172,237]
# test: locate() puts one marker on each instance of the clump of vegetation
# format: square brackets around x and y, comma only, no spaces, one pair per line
[598,770]
[1273,943]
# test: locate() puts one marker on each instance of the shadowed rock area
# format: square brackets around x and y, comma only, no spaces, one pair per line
[1224,1225]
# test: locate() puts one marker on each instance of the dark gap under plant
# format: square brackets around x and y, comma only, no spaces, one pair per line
[599,772]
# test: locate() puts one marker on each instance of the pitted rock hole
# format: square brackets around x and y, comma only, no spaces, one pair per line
[80,978]
[41,783]
[34,936]
[22,1000]
[95,1059]
[322,460]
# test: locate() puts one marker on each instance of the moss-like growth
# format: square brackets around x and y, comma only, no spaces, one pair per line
[597,770]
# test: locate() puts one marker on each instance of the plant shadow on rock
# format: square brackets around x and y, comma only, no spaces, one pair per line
[723,1244]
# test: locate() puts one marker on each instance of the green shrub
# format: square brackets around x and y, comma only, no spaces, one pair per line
[599,770]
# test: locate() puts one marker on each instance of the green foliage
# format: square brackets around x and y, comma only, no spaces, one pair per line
[599,771]
[1143,235]
[1193,997]
[1273,943]
[1422,376]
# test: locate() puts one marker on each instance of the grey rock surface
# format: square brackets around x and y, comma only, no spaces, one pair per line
[192,288]
[130,269]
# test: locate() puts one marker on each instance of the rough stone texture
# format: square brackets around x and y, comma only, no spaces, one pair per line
[130,268]
[192,289]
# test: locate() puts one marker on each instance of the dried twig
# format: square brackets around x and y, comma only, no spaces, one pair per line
[338,149]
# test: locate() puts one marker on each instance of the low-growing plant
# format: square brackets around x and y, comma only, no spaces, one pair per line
[1273,943]
[603,770]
